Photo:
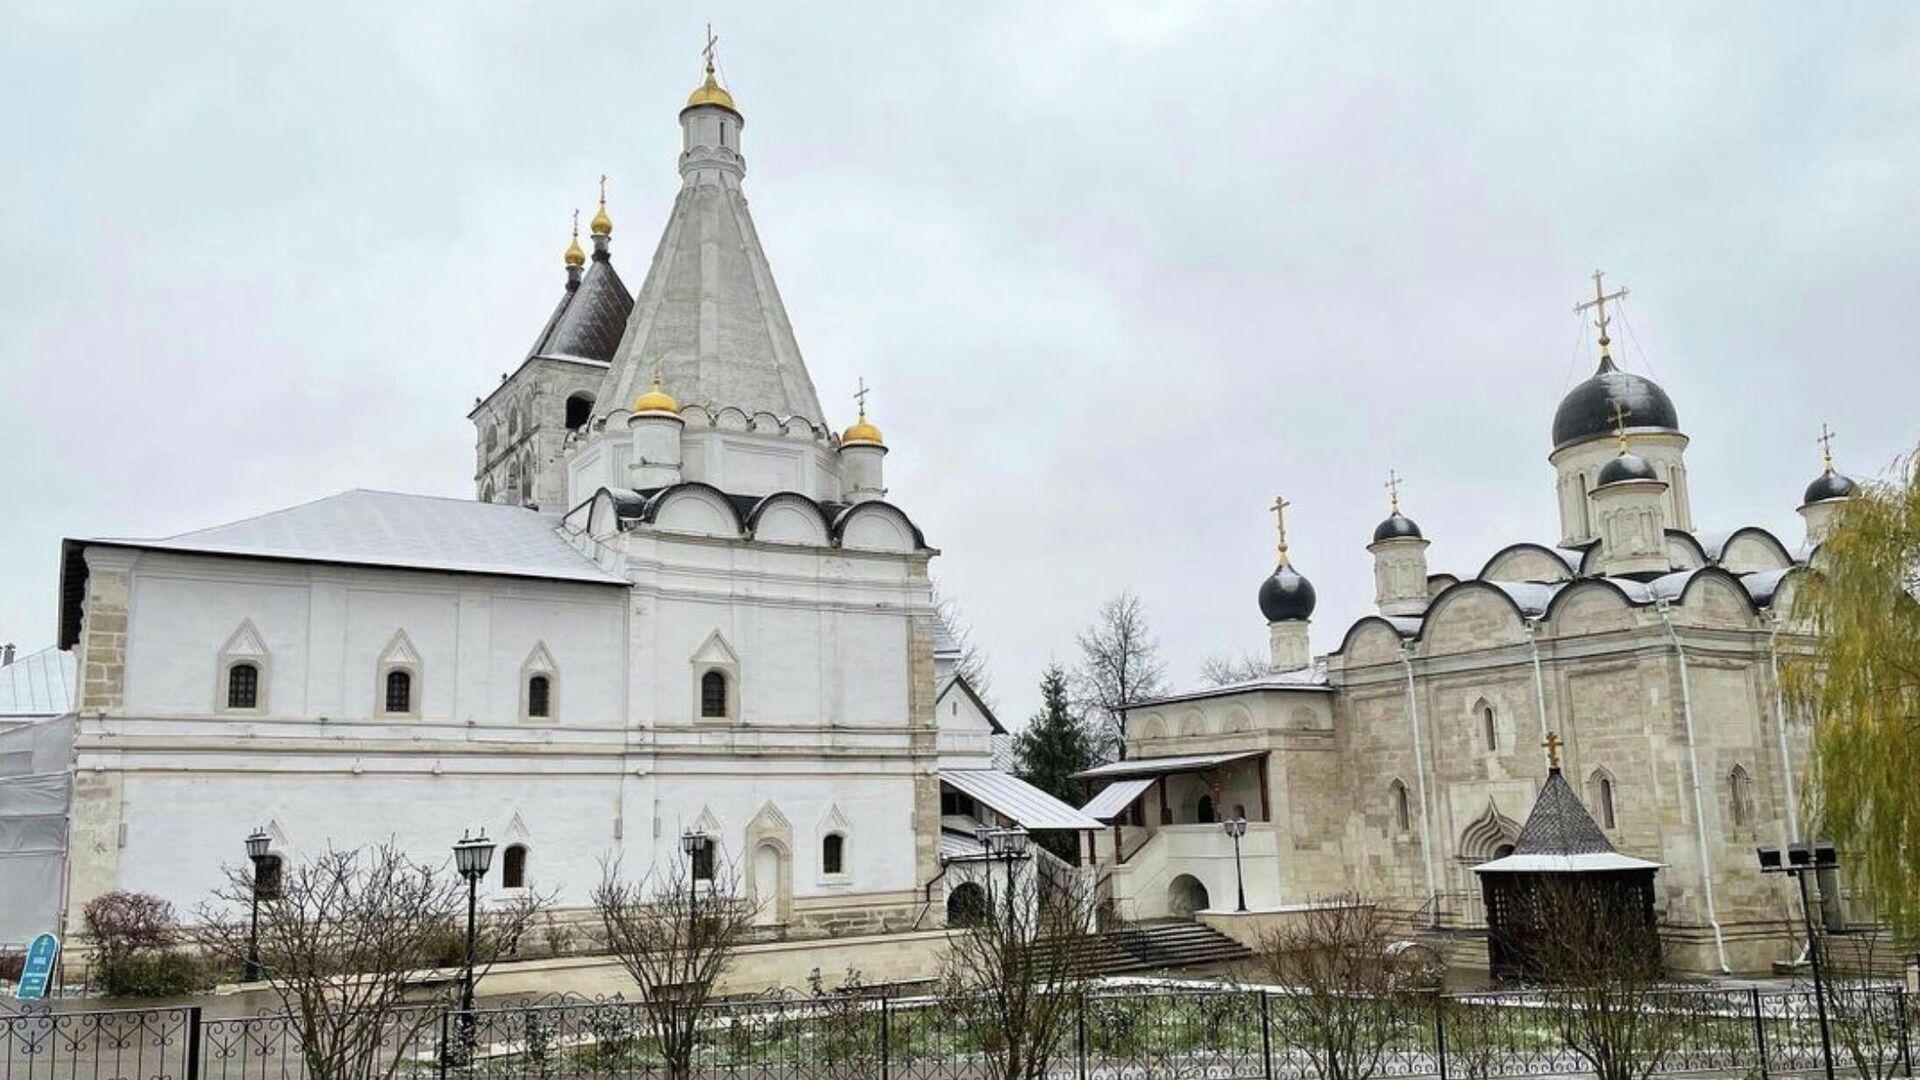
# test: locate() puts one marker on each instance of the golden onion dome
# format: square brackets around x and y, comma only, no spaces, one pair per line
[575,256]
[862,432]
[711,93]
[601,225]
[656,400]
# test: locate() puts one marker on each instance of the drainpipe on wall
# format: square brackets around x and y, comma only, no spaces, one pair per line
[1420,774]
[1699,804]
[1786,753]
[1539,685]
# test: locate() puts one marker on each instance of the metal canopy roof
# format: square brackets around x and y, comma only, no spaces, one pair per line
[1027,805]
[1165,766]
[1115,798]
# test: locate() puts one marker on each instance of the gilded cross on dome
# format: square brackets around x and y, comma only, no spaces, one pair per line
[1599,305]
[1393,489]
[860,396]
[1620,414]
[1279,509]
[1553,749]
[1826,445]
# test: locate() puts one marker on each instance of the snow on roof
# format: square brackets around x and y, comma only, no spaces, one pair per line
[1163,766]
[385,528]
[37,684]
[1564,864]
[1115,798]
[1013,797]
[1312,677]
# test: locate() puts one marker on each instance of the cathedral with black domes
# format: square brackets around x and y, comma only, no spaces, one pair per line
[1407,757]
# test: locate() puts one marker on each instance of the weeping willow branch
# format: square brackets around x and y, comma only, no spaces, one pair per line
[1862,685]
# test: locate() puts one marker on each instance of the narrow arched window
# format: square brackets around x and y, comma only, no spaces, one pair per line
[1489,728]
[539,696]
[513,867]
[713,694]
[1402,813]
[399,691]
[833,851]
[1740,790]
[243,686]
[1600,791]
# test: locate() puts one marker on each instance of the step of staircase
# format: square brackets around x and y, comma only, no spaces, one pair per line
[1158,947]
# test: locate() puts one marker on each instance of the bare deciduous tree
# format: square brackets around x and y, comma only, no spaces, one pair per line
[1863,1013]
[1609,998]
[1119,665]
[1351,993]
[973,659]
[675,937]
[1016,971]
[344,945]
[1224,668]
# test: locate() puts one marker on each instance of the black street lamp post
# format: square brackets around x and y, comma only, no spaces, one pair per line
[1009,844]
[1800,860]
[257,844]
[1237,827]
[471,856]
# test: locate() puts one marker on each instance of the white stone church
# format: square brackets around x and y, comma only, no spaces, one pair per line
[682,602]
[1411,754]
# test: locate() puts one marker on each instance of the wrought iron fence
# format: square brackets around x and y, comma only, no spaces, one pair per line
[1110,1034]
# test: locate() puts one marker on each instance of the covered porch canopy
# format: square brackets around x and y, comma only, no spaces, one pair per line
[1121,801]
[1011,800]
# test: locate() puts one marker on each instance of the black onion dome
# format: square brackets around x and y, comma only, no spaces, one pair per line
[1398,526]
[1628,466]
[1286,596]
[1829,485]
[1587,410]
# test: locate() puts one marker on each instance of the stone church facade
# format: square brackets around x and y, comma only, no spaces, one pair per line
[680,602]
[1410,754]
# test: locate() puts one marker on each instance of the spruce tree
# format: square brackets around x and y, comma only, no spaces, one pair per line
[1055,744]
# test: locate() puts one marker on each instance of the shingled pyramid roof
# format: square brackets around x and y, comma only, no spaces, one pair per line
[591,316]
[1561,837]
[1560,824]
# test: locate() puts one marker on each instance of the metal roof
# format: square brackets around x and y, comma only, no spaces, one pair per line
[1115,798]
[1014,798]
[384,528]
[37,684]
[1591,863]
[1164,766]
[955,845]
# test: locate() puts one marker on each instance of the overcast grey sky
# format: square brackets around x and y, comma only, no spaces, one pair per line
[1118,271]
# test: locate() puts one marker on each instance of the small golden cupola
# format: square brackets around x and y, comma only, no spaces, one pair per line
[862,431]
[861,452]
[656,400]
[575,255]
[602,225]
[710,92]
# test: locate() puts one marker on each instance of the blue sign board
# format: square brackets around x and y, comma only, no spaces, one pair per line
[39,969]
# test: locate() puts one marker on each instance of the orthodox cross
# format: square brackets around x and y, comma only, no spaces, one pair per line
[1553,749]
[1620,414]
[708,52]
[1826,446]
[603,190]
[576,223]
[860,396]
[1279,509]
[1599,304]
[1393,489]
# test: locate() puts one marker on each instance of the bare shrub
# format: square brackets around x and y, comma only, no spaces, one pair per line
[675,938]
[1352,994]
[343,947]
[1015,973]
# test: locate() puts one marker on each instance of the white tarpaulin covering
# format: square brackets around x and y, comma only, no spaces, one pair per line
[33,828]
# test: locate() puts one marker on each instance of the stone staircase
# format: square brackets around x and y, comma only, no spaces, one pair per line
[1158,946]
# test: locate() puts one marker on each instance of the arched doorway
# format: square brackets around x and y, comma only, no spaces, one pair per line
[1185,895]
[966,905]
[1203,810]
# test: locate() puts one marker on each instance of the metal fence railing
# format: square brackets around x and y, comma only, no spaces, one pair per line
[1110,1033]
